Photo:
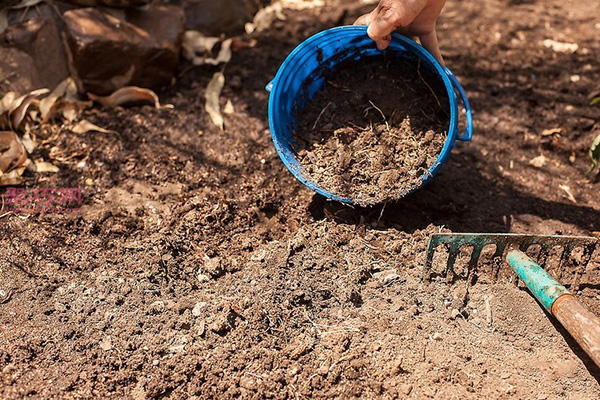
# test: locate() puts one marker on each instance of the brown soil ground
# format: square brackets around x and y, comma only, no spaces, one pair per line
[374,130]
[199,267]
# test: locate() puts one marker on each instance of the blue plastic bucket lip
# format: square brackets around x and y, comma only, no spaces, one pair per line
[417,50]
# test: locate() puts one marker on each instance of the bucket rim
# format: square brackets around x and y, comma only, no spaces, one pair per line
[415,49]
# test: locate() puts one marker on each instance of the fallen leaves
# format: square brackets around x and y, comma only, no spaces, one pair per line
[13,159]
[198,49]
[43,166]
[213,92]
[265,17]
[129,94]
[85,126]
[302,4]
[12,152]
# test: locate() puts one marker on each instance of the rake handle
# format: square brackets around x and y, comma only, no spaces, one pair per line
[581,323]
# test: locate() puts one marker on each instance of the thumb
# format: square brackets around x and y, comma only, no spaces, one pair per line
[384,20]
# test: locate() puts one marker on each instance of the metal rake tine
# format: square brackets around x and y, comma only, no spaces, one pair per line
[500,247]
[588,252]
[475,254]
[429,260]
[543,256]
[452,254]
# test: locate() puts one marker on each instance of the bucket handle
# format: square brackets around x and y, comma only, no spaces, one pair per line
[468,132]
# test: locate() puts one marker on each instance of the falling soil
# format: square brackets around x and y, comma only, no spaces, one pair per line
[374,130]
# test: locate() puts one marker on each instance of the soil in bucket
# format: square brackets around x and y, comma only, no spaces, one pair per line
[374,129]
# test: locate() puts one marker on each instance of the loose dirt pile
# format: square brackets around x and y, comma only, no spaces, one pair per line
[374,130]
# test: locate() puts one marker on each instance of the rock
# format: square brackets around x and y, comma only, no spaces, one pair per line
[216,17]
[33,56]
[454,313]
[213,266]
[387,277]
[109,53]
[106,343]
[164,23]
[224,322]
[157,307]
[197,310]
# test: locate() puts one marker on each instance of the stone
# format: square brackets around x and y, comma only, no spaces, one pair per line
[197,310]
[219,17]
[109,53]
[33,56]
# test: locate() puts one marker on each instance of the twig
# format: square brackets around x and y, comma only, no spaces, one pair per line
[7,297]
[430,89]
[320,114]
[382,114]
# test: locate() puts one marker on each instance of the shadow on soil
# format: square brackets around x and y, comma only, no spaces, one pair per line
[464,199]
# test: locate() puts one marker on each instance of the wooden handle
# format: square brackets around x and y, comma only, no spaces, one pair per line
[581,323]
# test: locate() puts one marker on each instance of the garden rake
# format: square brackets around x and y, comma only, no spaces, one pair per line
[582,324]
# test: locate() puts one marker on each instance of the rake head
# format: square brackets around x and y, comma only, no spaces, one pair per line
[454,242]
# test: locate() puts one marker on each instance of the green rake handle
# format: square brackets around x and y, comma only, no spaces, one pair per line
[580,322]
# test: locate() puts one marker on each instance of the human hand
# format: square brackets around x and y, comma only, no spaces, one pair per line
[413,18]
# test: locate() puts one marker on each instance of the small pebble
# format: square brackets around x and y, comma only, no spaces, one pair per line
[197,310]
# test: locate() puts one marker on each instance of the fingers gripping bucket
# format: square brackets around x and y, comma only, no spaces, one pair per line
[302,74]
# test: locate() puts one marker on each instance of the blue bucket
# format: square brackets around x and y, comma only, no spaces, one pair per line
[303,73]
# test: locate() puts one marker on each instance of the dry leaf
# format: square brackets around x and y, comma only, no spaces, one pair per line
[84,126]
[12,152]
[223,57]
[47,103]
[21,106]
[27,3]
[7,102]
[265,17]
[28,142]
[538,161]
[224,54]
[228,109]
[213,91]
[43,166]
[568,192]
[551,131]
[196,45]
[302,4]
[560,47]
[129,94]
[239,43]
[13,177]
